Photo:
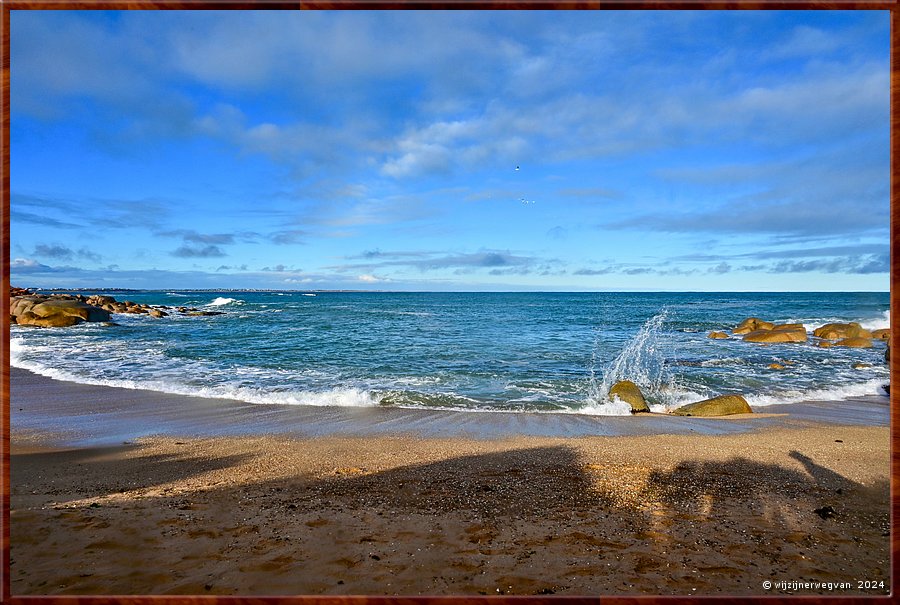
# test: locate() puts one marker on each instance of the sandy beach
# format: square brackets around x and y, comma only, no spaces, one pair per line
[779,498]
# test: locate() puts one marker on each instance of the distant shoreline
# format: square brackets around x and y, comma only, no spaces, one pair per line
[40,289]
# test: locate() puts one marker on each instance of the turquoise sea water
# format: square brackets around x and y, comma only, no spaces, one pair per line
[552,352]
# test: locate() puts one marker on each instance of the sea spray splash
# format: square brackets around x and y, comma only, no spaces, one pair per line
[640,361]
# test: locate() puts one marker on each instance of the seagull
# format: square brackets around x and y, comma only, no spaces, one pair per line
[517,168]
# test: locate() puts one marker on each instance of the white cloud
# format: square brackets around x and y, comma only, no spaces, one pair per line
[372,279]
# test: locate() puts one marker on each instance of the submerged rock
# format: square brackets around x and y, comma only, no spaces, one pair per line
[723,405]
[776,366]
[717,335]
[855,342]
[630,393]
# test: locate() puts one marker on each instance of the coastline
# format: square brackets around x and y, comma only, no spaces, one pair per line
[71,414]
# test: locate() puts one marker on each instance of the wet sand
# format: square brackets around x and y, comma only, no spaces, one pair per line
[283,506]
[79,414]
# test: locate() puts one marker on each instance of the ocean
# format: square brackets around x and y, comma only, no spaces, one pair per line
[510,352]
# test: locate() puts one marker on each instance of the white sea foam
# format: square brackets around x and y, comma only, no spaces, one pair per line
[879,322]
[872,323]
[725,361]
[221,300]
[22,356]
[870,387]
[614,407]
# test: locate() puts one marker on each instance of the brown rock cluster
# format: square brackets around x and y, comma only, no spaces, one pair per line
[62,310]
[849,334]
[54,311]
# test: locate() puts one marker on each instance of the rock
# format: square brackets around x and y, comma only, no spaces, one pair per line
[826,512]
[770,336]
[70,307]
[789,327]
[717,335]
[723,405]
[20,304]
[838,331]
[797,332]
[881,334]
[824,344]
[629,392]
[52,312]
[58,320]
[157,313]
[98,300]
[776,366]
[861,366]
[198,313]
[855,342]
[752,324]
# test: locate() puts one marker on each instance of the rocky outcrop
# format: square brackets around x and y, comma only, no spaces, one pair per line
[778,333]
[717,335]
[752,324]
[881,334]
[839,331]
[629,392]
[53,312]
[723,405]
[62,310]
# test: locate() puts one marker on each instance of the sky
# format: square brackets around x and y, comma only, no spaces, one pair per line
[461,150]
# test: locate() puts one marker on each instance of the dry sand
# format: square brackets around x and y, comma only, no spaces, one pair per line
[382,514]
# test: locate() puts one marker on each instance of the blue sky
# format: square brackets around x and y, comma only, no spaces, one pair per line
[704,150]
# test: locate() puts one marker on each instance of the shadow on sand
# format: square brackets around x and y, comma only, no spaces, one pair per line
[529,521]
